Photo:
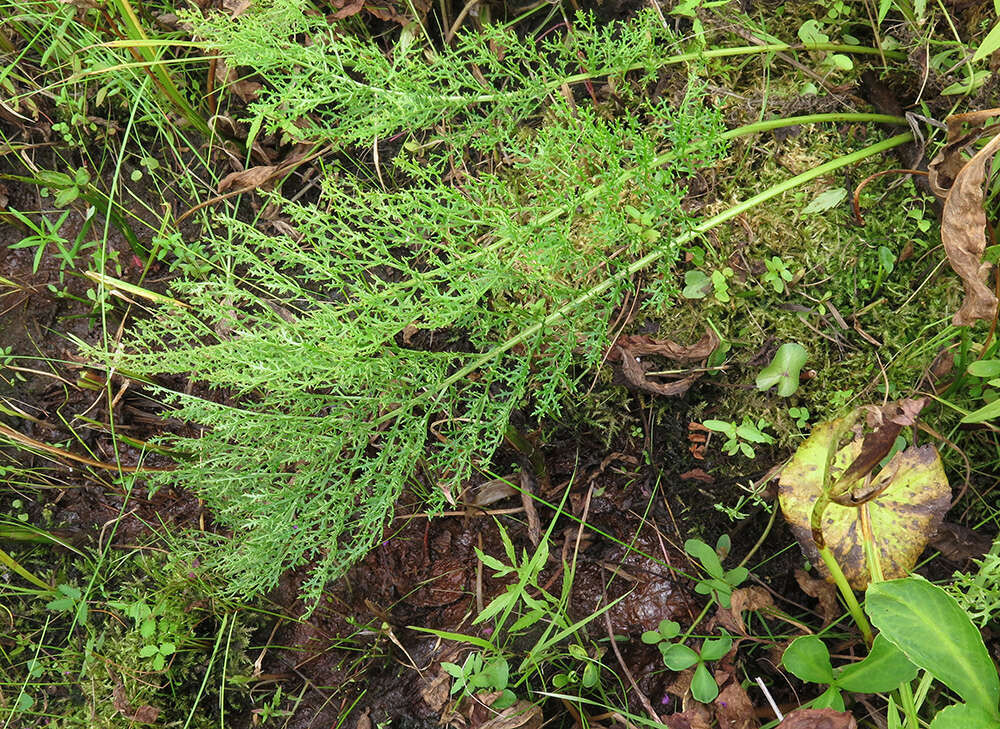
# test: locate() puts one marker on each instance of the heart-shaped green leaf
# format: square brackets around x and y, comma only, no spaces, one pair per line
[904,515]
[808,658]
[883,669]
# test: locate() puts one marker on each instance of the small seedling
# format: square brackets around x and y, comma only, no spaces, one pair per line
[477,674]
[697,285]
[720,583]
[70,600]
[589,677]
[679,657]
[885,668]
[777,274]
[159,652]
[740,436]
[800,416]
[784,369]
[667,630]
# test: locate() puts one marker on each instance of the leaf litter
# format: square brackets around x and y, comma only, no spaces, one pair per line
[963,220]
[900,508]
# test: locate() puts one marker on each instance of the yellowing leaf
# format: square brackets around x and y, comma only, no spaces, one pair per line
[913,495]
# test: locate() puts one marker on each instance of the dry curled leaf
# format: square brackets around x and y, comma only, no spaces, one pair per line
[818,719]
[695,716]
[825,592]
[250,179]
[522,715]
[748,599]
[144,714]
[963,220]
[630,349]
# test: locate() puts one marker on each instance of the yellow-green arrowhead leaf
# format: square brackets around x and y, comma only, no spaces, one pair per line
[903,516]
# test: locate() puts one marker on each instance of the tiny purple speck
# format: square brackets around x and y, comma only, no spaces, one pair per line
[665,700]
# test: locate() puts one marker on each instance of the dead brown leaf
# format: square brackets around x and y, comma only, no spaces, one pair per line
[695,716]
[825,592]
[697,474]
[748,598]
[252,178]
[631,348]
[640,345]
[963,225]
[818,719]
[228,79]
[733,708]
[144,714]
[944,168]
[435,691]
[522,715]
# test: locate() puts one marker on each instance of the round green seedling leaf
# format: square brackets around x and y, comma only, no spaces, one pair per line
[784,369]
[903,516]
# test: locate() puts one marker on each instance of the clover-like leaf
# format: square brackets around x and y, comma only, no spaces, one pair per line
[784,369]
[678,656]
[703,686]
[913,495]
[716,648]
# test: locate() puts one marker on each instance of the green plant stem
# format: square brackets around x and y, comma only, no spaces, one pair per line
[653,257]
[735,133]
[905,692]
[848,594]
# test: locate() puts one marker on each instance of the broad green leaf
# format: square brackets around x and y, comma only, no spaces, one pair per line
[669,628]
[507,699]
[706,555]
[903,516]
[678,656]
[703,686]
[963,716]
[989,45]
[825,201]
[148,650]
[883,669]
[926,623]
[650,637]
[784,369]
[495,673]
[808,658]
[985,368]
[987,412]
[696,285]
[831,698]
